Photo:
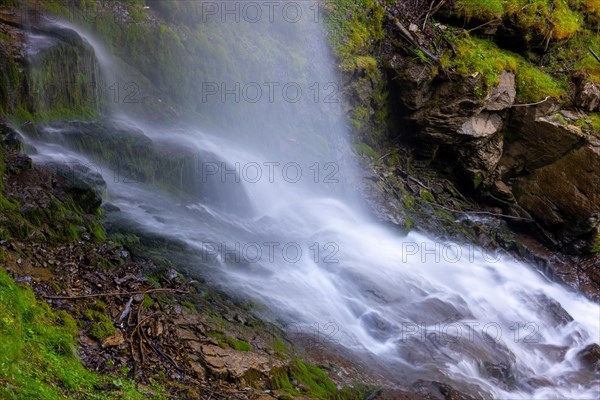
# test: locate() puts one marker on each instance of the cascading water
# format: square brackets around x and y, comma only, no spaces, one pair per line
[273,219]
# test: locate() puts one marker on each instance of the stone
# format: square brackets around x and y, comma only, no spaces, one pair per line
[538,141]
[464,126]
[235,364]
[564,196]
[482,125]
[115,340]
[503,95]
[588,95]
[590,357]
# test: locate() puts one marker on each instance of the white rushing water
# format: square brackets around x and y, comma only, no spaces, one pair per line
[441,310]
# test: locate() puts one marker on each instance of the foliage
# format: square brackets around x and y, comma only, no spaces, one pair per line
[355,26]
[595,118]
[565,22]
[38,357]
[362,148]
[314,383]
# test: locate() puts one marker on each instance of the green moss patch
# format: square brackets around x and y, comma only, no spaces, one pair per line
[238,345]
[485,61]
[102,327]
[480,9]
[38,357]
[302,379]
[365,149]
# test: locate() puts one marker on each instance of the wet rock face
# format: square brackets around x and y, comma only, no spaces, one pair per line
[452,119]
[85,184]
[553,168]
[534,161]
[588,95]
[232,364]
[134,157]
[50,52]
[590,357]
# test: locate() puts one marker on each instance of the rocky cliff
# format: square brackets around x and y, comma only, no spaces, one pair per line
[500,98]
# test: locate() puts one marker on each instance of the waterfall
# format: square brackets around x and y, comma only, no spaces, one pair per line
[263,199]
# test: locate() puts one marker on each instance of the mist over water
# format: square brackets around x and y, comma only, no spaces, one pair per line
[277,222]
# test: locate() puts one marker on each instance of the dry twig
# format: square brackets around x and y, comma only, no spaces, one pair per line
[85,296]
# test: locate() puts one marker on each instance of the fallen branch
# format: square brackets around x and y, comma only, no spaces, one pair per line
[484,24]
[164,355]
[126,311]
[384,156]
[594,54]
[432,11]
[408,37]
[478,212]
[131,347]
[85,296]
[531,104]
[418,182]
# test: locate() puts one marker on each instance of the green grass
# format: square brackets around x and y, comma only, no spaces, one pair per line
[97,231]
[595,118]
[480,58]
[38,357]
[365,149]
[577,52]
[591,121]
[355,25]
[557,19]
[315,379]
[127,239]
[238,345]
[216,335]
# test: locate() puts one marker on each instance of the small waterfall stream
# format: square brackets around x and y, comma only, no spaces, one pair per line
[276,221]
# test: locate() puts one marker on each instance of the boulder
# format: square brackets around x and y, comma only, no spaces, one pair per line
[465,127]
[564,196]
[590,357]
[503,95]
[535,140]
[83,182]
[231,364]
[588,95]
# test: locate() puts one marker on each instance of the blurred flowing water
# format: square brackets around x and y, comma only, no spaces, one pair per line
[277,220]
